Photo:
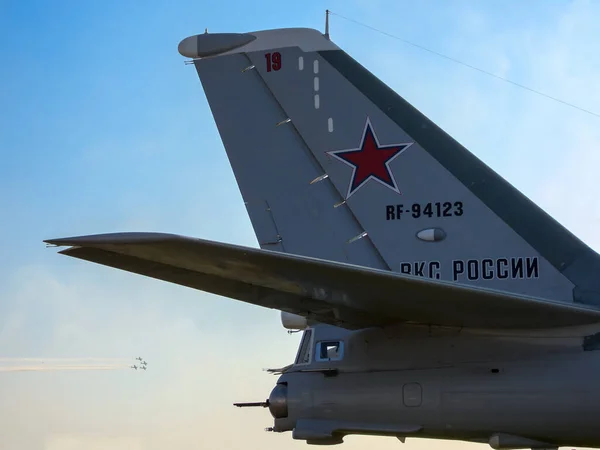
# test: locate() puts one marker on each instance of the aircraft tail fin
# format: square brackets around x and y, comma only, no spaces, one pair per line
[333,164]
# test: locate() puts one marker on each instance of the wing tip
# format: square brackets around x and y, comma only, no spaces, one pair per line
[110,238]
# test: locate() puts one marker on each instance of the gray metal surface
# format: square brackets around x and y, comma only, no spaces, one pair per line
[274,167]
[351,296]
[448,305]
[523,393]
[487,240]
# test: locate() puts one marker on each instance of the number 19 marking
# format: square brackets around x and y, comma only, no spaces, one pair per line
[273,61]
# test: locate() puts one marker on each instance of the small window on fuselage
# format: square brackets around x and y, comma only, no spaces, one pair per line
[330,351]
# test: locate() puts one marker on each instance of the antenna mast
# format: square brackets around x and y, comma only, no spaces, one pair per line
[327,24]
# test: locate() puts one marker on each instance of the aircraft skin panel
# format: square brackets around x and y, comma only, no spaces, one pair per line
[330,111]
[382,296]
[274,168]
[479,248]
[448,385]
[557,245]
[466,402]
[316,310]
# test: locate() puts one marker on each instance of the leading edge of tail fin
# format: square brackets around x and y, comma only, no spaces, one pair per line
[331,163]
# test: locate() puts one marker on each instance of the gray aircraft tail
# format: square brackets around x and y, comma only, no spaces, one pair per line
[332,164]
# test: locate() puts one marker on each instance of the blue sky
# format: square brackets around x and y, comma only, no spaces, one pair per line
[103,128]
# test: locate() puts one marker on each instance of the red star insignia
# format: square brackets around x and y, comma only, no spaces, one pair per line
[370,161]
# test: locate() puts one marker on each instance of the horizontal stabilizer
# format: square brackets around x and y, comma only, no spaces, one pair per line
[329,292]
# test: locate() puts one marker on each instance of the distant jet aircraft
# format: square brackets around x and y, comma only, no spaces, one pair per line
[139,358]
[134,367]
[144,363]
[436,300]
[144,368]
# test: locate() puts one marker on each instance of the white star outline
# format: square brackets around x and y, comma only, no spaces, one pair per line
[368,125]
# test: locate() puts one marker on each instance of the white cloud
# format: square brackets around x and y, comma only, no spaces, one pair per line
[70,442]
[194,374]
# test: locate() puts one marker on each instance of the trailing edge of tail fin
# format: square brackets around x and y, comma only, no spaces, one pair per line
[333,164]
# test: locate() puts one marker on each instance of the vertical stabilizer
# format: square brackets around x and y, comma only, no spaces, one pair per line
[333,164]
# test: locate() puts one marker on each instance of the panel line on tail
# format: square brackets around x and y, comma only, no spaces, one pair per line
[317,163]
[278,239]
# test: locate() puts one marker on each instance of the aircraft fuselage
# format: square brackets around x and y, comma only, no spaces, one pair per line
[455,387]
